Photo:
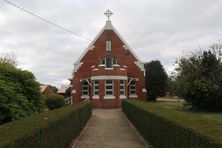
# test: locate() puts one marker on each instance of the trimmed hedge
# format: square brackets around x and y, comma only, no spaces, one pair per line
[166,128]
[55,128]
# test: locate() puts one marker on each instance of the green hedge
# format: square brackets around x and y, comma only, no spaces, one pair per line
[166,128]
[54,101]
[53,129]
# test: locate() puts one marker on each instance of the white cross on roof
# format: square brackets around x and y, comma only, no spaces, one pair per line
[108,13]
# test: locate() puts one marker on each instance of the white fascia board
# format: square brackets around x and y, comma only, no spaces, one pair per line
[107,26]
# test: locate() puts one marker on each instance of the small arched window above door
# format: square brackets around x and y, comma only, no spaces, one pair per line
[108,62]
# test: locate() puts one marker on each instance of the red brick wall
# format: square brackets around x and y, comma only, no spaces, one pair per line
[124,57]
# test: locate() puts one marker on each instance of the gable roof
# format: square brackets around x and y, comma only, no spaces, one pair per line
[62,89]
[43,87]
[108,26]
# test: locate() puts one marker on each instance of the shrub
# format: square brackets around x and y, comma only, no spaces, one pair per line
[171,128]
[20,95]
[199,80]
[55,128]
[55,101]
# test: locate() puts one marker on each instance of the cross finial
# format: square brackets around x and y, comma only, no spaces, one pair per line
[108,13]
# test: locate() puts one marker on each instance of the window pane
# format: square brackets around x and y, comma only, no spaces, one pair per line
[133,82]
[109,87]
[96,82]
[96,93]
[85,92]
[132,87]
[102,61]
[114,61]
[121,81]
[109,82]
[132,92]
[109,92]
[122,92]
[109,63]
[85,83]
[85,87]
[108,45]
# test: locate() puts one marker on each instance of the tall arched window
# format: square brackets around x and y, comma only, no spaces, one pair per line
[108,61]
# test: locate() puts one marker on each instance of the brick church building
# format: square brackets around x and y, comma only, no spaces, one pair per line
[108,71]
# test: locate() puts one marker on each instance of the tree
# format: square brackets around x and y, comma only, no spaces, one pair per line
[156,79]
[54,89]
[19,93]
[199,80]
[9,58]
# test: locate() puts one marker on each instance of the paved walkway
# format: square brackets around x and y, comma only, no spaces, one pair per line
[109,128]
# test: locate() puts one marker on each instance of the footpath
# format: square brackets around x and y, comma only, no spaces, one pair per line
[109,128]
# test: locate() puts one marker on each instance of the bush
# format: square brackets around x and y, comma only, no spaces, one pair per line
[20,95]
[166,128]
[55,101]
[55,128]
[199,80]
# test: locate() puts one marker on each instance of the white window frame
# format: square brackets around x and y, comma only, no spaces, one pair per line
[114,62]
[96,89]
[133,89]
[85,85]
[122,89]
[109,84]
[108,46]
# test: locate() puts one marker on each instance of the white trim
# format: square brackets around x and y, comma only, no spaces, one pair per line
[116,65]
[144,90]
[122,69]
[109,97]
[73,91]
[102,65]
[108,68]
[84,96]
[133,96]
[96,69]
[77,66]
[95,97]
[122,97]
[109,77]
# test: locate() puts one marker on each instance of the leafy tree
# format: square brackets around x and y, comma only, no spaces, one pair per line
[19,93]
[200,80]
[156,80]
[9,58]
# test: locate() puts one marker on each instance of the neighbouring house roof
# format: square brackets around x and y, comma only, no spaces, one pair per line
[62,89]
[46,90]
[43,88]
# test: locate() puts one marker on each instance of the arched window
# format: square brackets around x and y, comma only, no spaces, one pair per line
[108,61]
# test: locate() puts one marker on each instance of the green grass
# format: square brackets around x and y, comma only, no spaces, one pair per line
[180,107]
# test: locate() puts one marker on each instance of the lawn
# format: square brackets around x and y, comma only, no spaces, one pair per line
[179,106]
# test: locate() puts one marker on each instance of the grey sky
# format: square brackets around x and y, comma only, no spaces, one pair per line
[160,29]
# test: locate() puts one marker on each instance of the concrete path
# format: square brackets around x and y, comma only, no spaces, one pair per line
[109,128]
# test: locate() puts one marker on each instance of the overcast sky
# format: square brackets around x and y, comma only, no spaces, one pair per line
[161,30]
